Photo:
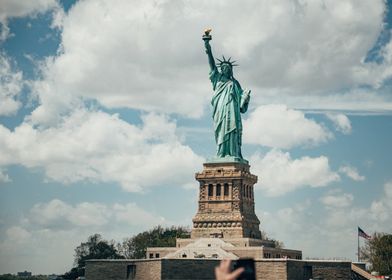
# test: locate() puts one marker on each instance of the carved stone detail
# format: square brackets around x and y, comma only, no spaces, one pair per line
[232,213]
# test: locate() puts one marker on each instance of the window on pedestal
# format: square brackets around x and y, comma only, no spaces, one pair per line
[226,190]
[210,190]
[218,190]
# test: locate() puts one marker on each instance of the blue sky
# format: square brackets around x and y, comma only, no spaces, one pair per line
[105,118]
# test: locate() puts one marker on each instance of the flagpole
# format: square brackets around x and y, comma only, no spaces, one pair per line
[358,245]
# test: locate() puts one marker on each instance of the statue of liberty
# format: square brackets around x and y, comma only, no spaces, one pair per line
[228,101]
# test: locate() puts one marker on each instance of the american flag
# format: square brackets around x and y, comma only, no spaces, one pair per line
[363,234]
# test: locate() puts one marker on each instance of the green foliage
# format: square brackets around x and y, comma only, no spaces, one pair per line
[378,251]
[74,273]
[95,248]
[15,277]
[135,247]
[8,277]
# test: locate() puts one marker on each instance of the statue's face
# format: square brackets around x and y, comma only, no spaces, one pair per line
[226,70]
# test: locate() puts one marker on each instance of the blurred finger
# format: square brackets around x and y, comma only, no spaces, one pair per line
[225,265]
[234,275]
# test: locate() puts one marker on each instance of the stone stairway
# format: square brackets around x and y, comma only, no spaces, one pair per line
[361,273]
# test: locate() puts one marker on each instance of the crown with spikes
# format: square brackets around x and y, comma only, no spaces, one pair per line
[224,61]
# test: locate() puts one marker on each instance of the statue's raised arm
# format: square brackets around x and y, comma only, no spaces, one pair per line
[207,38]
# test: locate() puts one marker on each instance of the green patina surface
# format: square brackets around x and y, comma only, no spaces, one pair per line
[228,101]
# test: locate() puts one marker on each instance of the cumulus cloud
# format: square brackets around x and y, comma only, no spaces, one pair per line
[11,83]
[351,172]
[4,178]
[36,236]
[337,199]
[119,62]
[10,9]
[100,147]
[352,100]
[381,210]
[333,236]
[285,47]
[341,122]
[375,217]
[280,127]
[280,174]
[58,214]
[18,234]
[126,214]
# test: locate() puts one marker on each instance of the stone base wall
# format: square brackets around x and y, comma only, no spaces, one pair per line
[186,269]
[123,269]
[189,269]
[272,270]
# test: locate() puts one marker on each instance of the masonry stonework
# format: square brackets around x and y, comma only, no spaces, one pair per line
[225,226]
[176,269]
[226,202]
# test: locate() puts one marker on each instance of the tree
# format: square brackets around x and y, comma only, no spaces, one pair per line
[135,247]
[378,251]
[15,277]
[277,244]
[94,248]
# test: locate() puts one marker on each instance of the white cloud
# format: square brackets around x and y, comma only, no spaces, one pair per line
[127,213]
[353,100]
[337,200]
[17,234]
[341,122]
[57,215]
[11,83]
[119,64]
[280,127]
[11,8]
[36,237]
[375,217]
[4,178]
[316,45]
[335,234]
[99,147]
[35,252]
[280,174]
[381,210]
[351,172]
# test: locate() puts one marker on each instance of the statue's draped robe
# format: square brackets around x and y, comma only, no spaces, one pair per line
[228,102]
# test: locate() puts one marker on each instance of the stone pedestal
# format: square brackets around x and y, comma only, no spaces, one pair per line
[226,202]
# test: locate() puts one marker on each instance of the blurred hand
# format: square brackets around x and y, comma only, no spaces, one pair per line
[222,272]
